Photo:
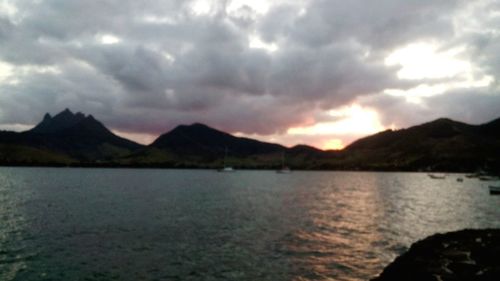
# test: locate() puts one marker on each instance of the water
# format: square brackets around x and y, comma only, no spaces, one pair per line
[125,224]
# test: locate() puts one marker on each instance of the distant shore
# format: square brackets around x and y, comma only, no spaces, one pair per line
[209,167]
[79,140]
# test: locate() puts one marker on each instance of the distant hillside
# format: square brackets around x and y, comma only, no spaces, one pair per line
[198,145]
[442,144]
[77,139]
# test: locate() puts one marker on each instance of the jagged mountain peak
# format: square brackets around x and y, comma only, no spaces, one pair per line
[63,120]
[77,135]
[47,116]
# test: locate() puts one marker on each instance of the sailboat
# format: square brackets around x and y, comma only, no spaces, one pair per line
[225,168]
[284,169]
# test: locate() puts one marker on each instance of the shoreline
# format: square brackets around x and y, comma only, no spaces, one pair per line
[243,168]
[470,254]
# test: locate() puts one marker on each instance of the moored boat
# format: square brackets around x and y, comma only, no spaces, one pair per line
[284,169]
[487,178]
[225,168]
[494,190]
[437,177]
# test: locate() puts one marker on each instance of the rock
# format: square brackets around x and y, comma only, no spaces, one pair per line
[466,255]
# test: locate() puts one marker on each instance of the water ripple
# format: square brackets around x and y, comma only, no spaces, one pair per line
[94,224]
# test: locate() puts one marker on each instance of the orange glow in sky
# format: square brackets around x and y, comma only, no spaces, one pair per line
[347,124]
[333,144]
[352,119]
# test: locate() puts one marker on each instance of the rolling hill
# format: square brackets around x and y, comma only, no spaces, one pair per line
[442,144]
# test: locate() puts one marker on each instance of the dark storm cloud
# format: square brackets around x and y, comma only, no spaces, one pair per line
[170,65]
[379,25]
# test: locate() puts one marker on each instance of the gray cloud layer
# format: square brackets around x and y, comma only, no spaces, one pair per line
[171,65]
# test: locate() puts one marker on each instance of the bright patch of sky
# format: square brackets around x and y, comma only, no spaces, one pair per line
[424,60]
[158,20]
[202,7]
[15,127]
[348,123]
[9,73]
[109,39]
[7,8]
[5,71]
[333,144]
[168,56]
[416,94]
[420,61]
[256,43]
[259,6]
[352,119]
[141,138]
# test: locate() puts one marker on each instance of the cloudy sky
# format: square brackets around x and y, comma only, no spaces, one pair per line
[320,72]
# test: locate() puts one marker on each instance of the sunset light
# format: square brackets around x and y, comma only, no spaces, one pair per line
[353,119]
[333,144]
[249,140]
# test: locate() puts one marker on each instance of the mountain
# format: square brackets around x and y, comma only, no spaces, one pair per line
[442,144]
[199,138]
[491,129]
[65,138]
[64,120]
[77,139]
[202,146]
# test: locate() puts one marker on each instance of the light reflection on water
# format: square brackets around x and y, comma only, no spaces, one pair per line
[96,224]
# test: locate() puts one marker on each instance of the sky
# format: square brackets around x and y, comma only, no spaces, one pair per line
[317,72]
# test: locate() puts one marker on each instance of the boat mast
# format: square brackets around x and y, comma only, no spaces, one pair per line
[225,156]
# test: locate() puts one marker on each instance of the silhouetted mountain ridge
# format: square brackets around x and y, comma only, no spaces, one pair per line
[491,128]
[76,139]
[199,138]
[65,119]
[442,144]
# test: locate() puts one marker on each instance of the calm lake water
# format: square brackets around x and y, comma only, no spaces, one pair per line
[126,224]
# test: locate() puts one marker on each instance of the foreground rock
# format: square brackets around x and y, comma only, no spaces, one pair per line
[462,255]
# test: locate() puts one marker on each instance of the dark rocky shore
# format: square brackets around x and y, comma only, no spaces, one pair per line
[463,255]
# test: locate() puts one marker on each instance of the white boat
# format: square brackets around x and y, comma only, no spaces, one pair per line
[494,190]
[226,169]
[284,169]
[437,177]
